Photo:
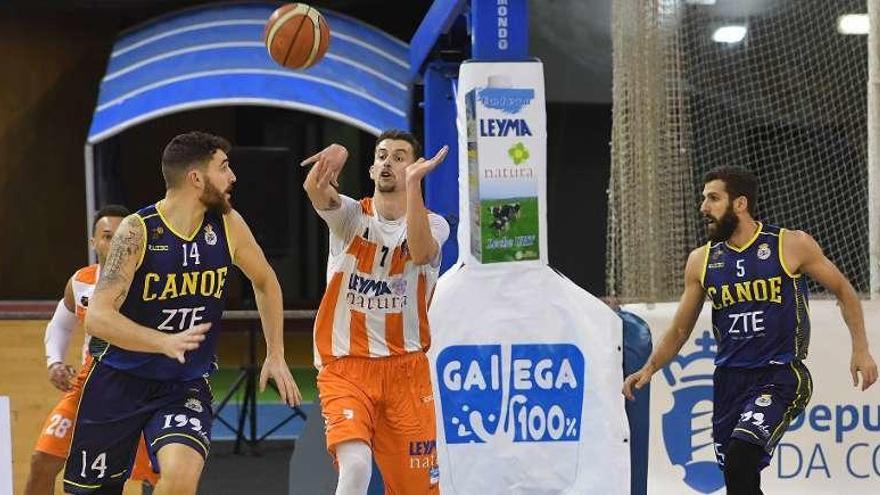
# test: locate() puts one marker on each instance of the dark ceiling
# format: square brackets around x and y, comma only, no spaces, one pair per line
[401,21]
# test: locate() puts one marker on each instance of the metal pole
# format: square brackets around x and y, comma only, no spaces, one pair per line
[90,199]
[441,186]
[874,146]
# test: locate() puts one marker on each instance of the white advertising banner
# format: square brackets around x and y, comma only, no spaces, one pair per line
[526,366]
[5,447]
[832,448]
[527,370]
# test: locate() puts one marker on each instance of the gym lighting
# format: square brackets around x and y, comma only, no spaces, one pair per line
[853,24]
[730,34]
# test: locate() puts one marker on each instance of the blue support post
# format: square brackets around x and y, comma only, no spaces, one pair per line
[637,349]
[437,21]
[499,30]
[441,185]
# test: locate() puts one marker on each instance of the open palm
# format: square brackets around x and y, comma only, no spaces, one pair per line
[420,168]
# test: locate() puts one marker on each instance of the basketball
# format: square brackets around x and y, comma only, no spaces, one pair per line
[296,36]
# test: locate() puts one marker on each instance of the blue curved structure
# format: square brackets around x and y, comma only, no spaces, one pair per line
[213,55]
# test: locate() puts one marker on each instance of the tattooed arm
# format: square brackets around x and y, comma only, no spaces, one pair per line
[103,319]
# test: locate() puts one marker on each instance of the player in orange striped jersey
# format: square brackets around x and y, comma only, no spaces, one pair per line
[53,443]
[371,331]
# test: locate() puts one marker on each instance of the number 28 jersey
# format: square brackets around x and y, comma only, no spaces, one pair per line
[759,308]
[179,283]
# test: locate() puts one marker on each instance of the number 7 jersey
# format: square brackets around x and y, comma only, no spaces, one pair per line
[376,302]
[180,282]
[759,307]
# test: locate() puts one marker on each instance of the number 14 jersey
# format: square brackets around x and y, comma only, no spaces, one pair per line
[179,283]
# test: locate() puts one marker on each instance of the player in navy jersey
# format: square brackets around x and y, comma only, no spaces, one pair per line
[157,308]
[752,274]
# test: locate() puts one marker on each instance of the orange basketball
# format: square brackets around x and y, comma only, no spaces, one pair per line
[296,35]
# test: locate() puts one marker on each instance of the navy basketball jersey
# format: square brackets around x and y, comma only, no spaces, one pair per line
[759,308]
[179,283]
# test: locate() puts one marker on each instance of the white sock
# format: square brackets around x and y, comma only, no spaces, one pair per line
[355,467]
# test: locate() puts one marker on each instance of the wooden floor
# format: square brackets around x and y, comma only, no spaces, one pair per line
[25,381]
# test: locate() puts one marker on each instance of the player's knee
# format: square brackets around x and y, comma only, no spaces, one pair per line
[180,467]
[355,464]
[110,489]
[743,457]
[176,482]
[179,478]
[43,464]
[181,472]
[742,466]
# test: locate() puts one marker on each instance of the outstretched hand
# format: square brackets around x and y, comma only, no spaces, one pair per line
[420,168]
[327,165]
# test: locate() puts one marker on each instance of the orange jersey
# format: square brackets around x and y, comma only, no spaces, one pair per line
[57,432]
[83,284]
[376,302]
[84,281]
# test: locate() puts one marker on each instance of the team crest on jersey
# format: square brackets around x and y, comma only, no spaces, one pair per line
[764,251]
[713,262]
[194,404]
[764,400]
[156,233]
[84,301]
[210,235]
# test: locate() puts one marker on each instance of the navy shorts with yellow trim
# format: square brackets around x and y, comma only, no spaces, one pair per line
[115,408]
[756,405]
